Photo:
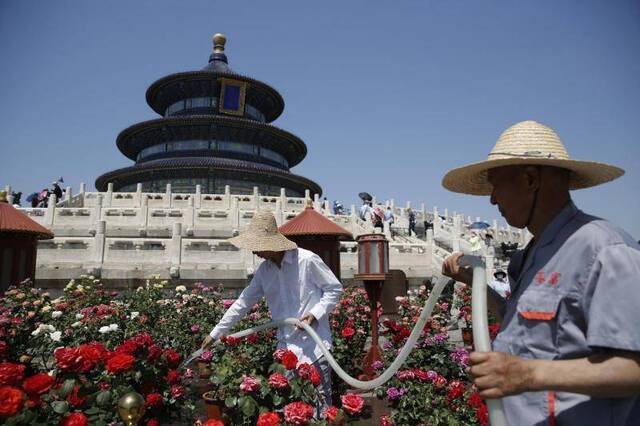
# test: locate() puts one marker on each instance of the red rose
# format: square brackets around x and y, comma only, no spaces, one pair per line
[455,390]
[11,374]
[172,357]
[143,340]
[289,360]
[278,381]
[298,413]
[38,384]
[421,375]
[304,371]
[4,349]
[154,353]
[154,400]
[440,381]
[482,415]
[268,419]
[11,401]
[352,404]
[231,341]
[90,355]
[277,355]
[475,400]
[177,392]
[331,414]
[348,332]
[153,422]
[385,421]
[315,377]
[250,384]
[173,377]
[68,359]
[127,347]
[74,419]
[253,338]
[74,398]
[120,363]
[213,422]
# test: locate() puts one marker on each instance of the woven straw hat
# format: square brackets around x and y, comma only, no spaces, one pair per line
[524,143]
[262,235]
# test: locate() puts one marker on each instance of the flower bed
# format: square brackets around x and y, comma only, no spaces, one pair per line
[68,361]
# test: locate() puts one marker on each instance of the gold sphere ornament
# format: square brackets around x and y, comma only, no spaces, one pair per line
[131,408]
[219,40]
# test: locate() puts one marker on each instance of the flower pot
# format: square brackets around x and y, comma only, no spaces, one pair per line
[467,336]
[214,407]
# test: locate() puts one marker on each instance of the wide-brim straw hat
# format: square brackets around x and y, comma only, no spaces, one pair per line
[528,143]
[262,235]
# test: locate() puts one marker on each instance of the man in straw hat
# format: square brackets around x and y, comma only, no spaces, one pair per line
[568,348]
[296,283]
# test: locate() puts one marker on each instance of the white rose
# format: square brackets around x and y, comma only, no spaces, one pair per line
[46,309]
[55,336]
[80,287]
[104,329]
[79,316]
[56,314]
[134,315]
[76,324]
[113,327]
[181,288]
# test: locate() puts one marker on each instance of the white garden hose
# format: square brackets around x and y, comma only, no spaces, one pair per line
[480,320]
[480,335]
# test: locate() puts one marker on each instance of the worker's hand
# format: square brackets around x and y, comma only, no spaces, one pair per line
[451,268]
[498,374]
[208,341]
[309,319]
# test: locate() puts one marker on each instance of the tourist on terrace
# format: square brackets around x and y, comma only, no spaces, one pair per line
[296,283]
[568,348]
[56,190]
[412,221]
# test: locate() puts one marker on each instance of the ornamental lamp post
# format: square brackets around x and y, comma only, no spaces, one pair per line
[373,269]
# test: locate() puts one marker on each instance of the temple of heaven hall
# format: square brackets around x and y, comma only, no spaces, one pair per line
[214,132]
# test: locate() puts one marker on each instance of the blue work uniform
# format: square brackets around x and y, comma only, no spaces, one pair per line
[577,294]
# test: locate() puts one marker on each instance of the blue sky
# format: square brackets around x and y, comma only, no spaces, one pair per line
[388,96]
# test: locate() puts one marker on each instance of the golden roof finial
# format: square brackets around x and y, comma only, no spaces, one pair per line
[309,203]
[3,197]
[219,40]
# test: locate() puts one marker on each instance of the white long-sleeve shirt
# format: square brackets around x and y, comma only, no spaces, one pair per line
[303,284]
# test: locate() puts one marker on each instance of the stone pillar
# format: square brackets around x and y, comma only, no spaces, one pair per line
[234,214]
[256,198]
[307,194]
[227,197]
[189,217]
[51,211]
[81,193]
[197,203]
[139,193]
[489,264]
[67,196]
[168,197]
[97,210]
[392,204]
[108,196]
[446,215]
[455,234]
[353,210]
[99,240]
[327,208]
[144,216]
[316,202]
[176,244]
[387,230]
[283,199]
[278,213]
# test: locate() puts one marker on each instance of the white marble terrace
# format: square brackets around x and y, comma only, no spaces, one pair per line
[124,237]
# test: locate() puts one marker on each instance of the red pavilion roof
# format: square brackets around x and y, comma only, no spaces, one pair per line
[14,221]
[310,222]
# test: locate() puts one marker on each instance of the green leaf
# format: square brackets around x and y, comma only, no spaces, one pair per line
[92,411]
[248,406]
[231,401]
[60,407]
[277,400]
[67,387]
[103,397]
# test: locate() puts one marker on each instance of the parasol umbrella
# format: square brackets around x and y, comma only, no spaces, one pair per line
[365,196]
[479,225]
[32,196]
